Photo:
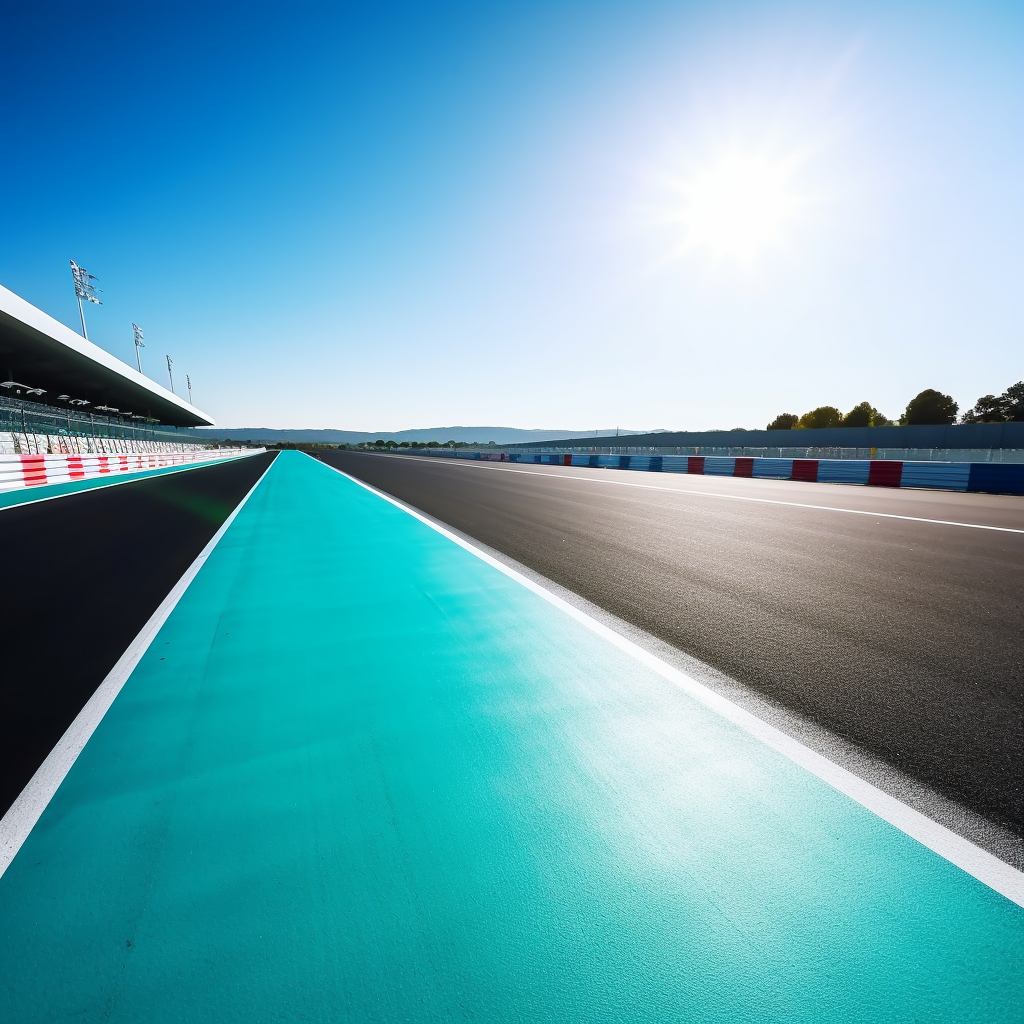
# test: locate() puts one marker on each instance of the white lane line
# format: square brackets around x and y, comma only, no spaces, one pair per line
[133,478]
[708,494]
[23,814]
[981,864]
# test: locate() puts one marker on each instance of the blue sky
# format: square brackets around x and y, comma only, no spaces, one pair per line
[388,215]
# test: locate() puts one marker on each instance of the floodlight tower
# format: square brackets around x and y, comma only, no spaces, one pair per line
[84,289]
[170,373]
[188,384]
[139,343]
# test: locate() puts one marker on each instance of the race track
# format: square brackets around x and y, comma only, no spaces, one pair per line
[364,774]
[901,635]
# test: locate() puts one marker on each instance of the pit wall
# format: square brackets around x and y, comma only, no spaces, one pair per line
[990,477]
[64,444]
[20,471]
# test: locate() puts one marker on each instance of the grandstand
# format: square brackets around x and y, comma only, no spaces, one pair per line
[62,395]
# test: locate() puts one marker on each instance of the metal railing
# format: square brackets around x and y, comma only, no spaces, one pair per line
[19,417]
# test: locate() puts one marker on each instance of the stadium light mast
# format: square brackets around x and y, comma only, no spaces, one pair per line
[139,343]
[188,384]
[170,373]
[84,289]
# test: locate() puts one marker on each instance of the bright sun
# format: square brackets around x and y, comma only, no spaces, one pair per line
[737,207]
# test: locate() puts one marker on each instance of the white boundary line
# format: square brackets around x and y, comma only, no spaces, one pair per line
[133,478]
[703,494]
[26,810]
[981,864]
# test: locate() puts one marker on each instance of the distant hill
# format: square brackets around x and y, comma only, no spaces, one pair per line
[482,435]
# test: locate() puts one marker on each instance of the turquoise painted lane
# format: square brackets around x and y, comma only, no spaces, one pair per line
[361,775]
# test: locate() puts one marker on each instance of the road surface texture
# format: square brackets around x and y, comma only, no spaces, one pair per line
[901,636]
[363,774]
[82,575]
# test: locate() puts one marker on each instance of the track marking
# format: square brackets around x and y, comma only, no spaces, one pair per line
[708,494]
[133,478]
[26,810]
[980,864]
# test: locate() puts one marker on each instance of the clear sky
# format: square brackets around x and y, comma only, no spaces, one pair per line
[554,214]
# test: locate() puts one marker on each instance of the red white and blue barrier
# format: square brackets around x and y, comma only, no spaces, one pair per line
[18,471]
[991,477]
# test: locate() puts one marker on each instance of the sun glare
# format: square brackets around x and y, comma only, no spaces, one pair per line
[736,208]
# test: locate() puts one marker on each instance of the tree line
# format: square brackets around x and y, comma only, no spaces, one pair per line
[380,443]
[930,407]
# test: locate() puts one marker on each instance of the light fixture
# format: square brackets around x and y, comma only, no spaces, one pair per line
[84,289]
[22,387]
[139,343]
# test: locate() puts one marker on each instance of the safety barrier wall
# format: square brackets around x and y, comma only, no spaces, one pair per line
[990,437]
[35,470]
[451,453]
[786,452]
[992,477]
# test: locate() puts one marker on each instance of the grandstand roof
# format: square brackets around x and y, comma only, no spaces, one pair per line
[39,352]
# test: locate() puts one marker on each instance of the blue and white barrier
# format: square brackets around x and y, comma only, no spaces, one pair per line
[990,477]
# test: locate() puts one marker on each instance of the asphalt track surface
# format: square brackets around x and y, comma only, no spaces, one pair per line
[362,773]
[83,573]
[903,637]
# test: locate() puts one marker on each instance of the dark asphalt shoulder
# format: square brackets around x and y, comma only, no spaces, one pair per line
[83,574]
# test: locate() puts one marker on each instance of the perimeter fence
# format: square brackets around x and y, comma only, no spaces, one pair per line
[34,418]
[1007,455]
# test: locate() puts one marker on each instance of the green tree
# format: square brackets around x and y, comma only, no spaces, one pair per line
[823,416]
[784,421]
[865,415]
[930,407]
[998,409]
[987,409]
[1015,393]
[862,415]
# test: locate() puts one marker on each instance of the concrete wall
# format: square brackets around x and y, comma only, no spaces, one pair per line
[962,435]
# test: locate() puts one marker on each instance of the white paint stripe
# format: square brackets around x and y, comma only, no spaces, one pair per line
[133,478]
[23,814]
[981,864]
[506,468]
